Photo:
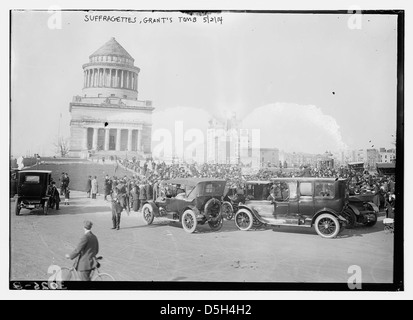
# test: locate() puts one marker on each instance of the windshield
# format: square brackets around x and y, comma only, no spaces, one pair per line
[258,191]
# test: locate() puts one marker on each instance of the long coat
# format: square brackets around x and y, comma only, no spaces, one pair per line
[108,186]
[94,186]
[142,192]
[86,250]
[88,185]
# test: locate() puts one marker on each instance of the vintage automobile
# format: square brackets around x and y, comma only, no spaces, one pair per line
[32,190]
[359,208]
[191,201]
[233,196]
[304,202]
[13,182]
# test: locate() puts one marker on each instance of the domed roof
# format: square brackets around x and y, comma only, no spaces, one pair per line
[111,48]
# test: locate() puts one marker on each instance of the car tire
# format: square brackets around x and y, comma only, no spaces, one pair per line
[351,218]
[147,213]
[216,225]
[189,222]
[244,220]
[45,207]
[227,211]
[327,226]
[17,207]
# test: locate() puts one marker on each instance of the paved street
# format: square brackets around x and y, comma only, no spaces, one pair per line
[164,252]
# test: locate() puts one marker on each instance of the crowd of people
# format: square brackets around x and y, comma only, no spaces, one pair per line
[147,181]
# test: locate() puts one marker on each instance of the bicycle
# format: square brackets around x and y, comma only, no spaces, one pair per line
[70,274]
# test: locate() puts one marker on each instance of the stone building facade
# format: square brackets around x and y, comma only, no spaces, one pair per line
[107,118]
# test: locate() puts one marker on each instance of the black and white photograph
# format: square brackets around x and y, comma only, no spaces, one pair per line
[206,150]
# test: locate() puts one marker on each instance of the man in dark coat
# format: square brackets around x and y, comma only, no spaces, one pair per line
[116,208]
[135,196]
[108,186]
[142,195]
[54,196]
[89,186]
[148,191]
[86,252]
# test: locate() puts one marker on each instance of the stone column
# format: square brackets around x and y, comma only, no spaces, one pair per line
[84,139]
[118,140]
[95,139]
[116,82]
[107,139]
[127,79]
[139,147]
[121,79]
[129,139]
[136,84]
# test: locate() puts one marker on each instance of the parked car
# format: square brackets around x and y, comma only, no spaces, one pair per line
[305,202]
[191,201]
[233,196]
[13,182]
[32,190]
[360,206]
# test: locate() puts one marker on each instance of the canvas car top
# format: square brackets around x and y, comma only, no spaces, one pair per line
[34,171]
[191,182]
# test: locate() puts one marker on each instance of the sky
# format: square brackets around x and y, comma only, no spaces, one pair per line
[309,82]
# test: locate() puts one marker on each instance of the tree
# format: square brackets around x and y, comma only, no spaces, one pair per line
[62,147]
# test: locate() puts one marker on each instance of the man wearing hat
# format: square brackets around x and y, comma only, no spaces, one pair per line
[86,251]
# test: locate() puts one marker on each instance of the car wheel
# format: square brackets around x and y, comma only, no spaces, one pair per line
[189,221]
[45,207]
[244,220]
[351,218]
[327,226]
[227,211]
[17,207]
[371,223]
[216,225]
[256,223]
[147,212]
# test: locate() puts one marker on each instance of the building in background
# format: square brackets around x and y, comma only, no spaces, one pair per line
[269,157]
[387,156]
[107,118]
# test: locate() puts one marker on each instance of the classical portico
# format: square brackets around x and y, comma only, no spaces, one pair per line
[108,118]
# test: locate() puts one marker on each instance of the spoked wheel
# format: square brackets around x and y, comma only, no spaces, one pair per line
[256,223]
[351,218]
[244,220]
[216,225]
[327,226]
[45,207]
[147,212]
[227,211]
[189,221]
[103,277]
